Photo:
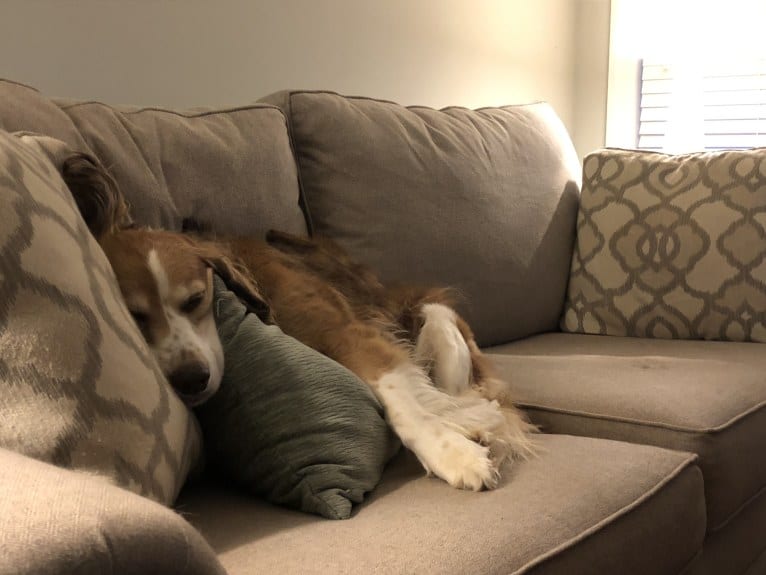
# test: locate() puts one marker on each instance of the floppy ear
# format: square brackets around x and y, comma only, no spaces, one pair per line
[290,243]
[96,193]
[237,279]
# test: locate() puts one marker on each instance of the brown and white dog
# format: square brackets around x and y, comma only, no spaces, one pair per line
[408,344]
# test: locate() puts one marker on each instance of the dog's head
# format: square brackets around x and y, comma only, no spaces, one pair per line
[166,280]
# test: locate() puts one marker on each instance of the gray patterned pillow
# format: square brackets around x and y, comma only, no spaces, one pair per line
[671,246]
[78,386]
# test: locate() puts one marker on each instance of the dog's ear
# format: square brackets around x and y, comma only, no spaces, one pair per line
[290,243]
[237,279]
[96,193]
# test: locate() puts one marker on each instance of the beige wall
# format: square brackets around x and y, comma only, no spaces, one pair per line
[200,52]
[590,75]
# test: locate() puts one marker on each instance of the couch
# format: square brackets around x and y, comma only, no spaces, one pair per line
[651,456]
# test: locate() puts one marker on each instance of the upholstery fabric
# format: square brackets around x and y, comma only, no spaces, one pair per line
[700,396]
[671,246]
[288,422]
[439,197]
[739,547]
[582,506]
[230,169]
[54,521]
[78,385]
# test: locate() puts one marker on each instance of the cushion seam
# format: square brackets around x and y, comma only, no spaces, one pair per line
[411,106]
[20,84]
[302,193]
[607,520]
[178,113]
[711,528]
[644,422]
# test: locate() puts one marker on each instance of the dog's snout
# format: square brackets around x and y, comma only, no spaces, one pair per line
[190,378]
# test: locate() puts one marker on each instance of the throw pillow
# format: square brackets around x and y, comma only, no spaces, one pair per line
[78,385]
[671,246]
[289,423]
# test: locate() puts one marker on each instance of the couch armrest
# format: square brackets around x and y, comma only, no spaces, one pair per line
[54,521]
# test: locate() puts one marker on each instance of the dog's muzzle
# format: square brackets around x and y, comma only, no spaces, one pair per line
[190,379]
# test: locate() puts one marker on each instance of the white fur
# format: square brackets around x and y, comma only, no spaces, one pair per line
[438,428]
[184,340]
[443,349]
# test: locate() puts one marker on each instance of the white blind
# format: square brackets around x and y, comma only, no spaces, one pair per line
[702,106]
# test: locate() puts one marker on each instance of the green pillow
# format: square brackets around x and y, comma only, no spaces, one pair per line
[289,423]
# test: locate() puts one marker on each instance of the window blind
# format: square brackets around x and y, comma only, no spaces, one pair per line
[702,106]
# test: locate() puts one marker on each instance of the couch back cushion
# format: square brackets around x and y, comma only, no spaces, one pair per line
[231,169]
[671,246]
[481,200]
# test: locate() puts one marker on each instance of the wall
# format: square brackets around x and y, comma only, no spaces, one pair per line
[182,53]
[197,52]
[591,48]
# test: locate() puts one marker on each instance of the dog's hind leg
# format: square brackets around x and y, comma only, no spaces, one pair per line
[445,346]
[439,429]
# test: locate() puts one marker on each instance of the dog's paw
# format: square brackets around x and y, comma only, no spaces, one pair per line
[462,463]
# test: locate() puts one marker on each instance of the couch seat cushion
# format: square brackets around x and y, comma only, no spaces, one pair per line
[700,396]
[583,506]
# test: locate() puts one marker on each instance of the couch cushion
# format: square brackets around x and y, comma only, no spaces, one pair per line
[705,397]
[24,109]
[582,506]
[671,246]
[231,169]
[55,521]
[78,385]
[280,423]
[439,197]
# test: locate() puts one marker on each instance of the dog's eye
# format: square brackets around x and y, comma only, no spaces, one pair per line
[192,302]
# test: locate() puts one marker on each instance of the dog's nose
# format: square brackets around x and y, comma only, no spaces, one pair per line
[190,378]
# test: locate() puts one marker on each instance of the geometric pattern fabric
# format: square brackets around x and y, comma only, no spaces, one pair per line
[670,246]
[78,385]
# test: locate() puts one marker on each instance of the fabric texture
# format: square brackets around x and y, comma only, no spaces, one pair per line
[706,397]
[79,387]
[671,246]
[739,547]
[231,169]
[289,423]
[484,201]
[582,506]
[54,521]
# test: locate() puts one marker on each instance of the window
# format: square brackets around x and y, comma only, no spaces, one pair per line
[702,105]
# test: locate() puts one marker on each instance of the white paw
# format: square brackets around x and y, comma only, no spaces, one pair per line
[460,462]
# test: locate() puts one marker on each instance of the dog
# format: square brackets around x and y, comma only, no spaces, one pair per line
[417,355]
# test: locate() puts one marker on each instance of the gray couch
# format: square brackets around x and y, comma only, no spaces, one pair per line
[652,457]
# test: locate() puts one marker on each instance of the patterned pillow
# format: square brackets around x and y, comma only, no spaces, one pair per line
[78,386]
[671,246]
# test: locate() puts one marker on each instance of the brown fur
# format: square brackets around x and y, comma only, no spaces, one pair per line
[314,290]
